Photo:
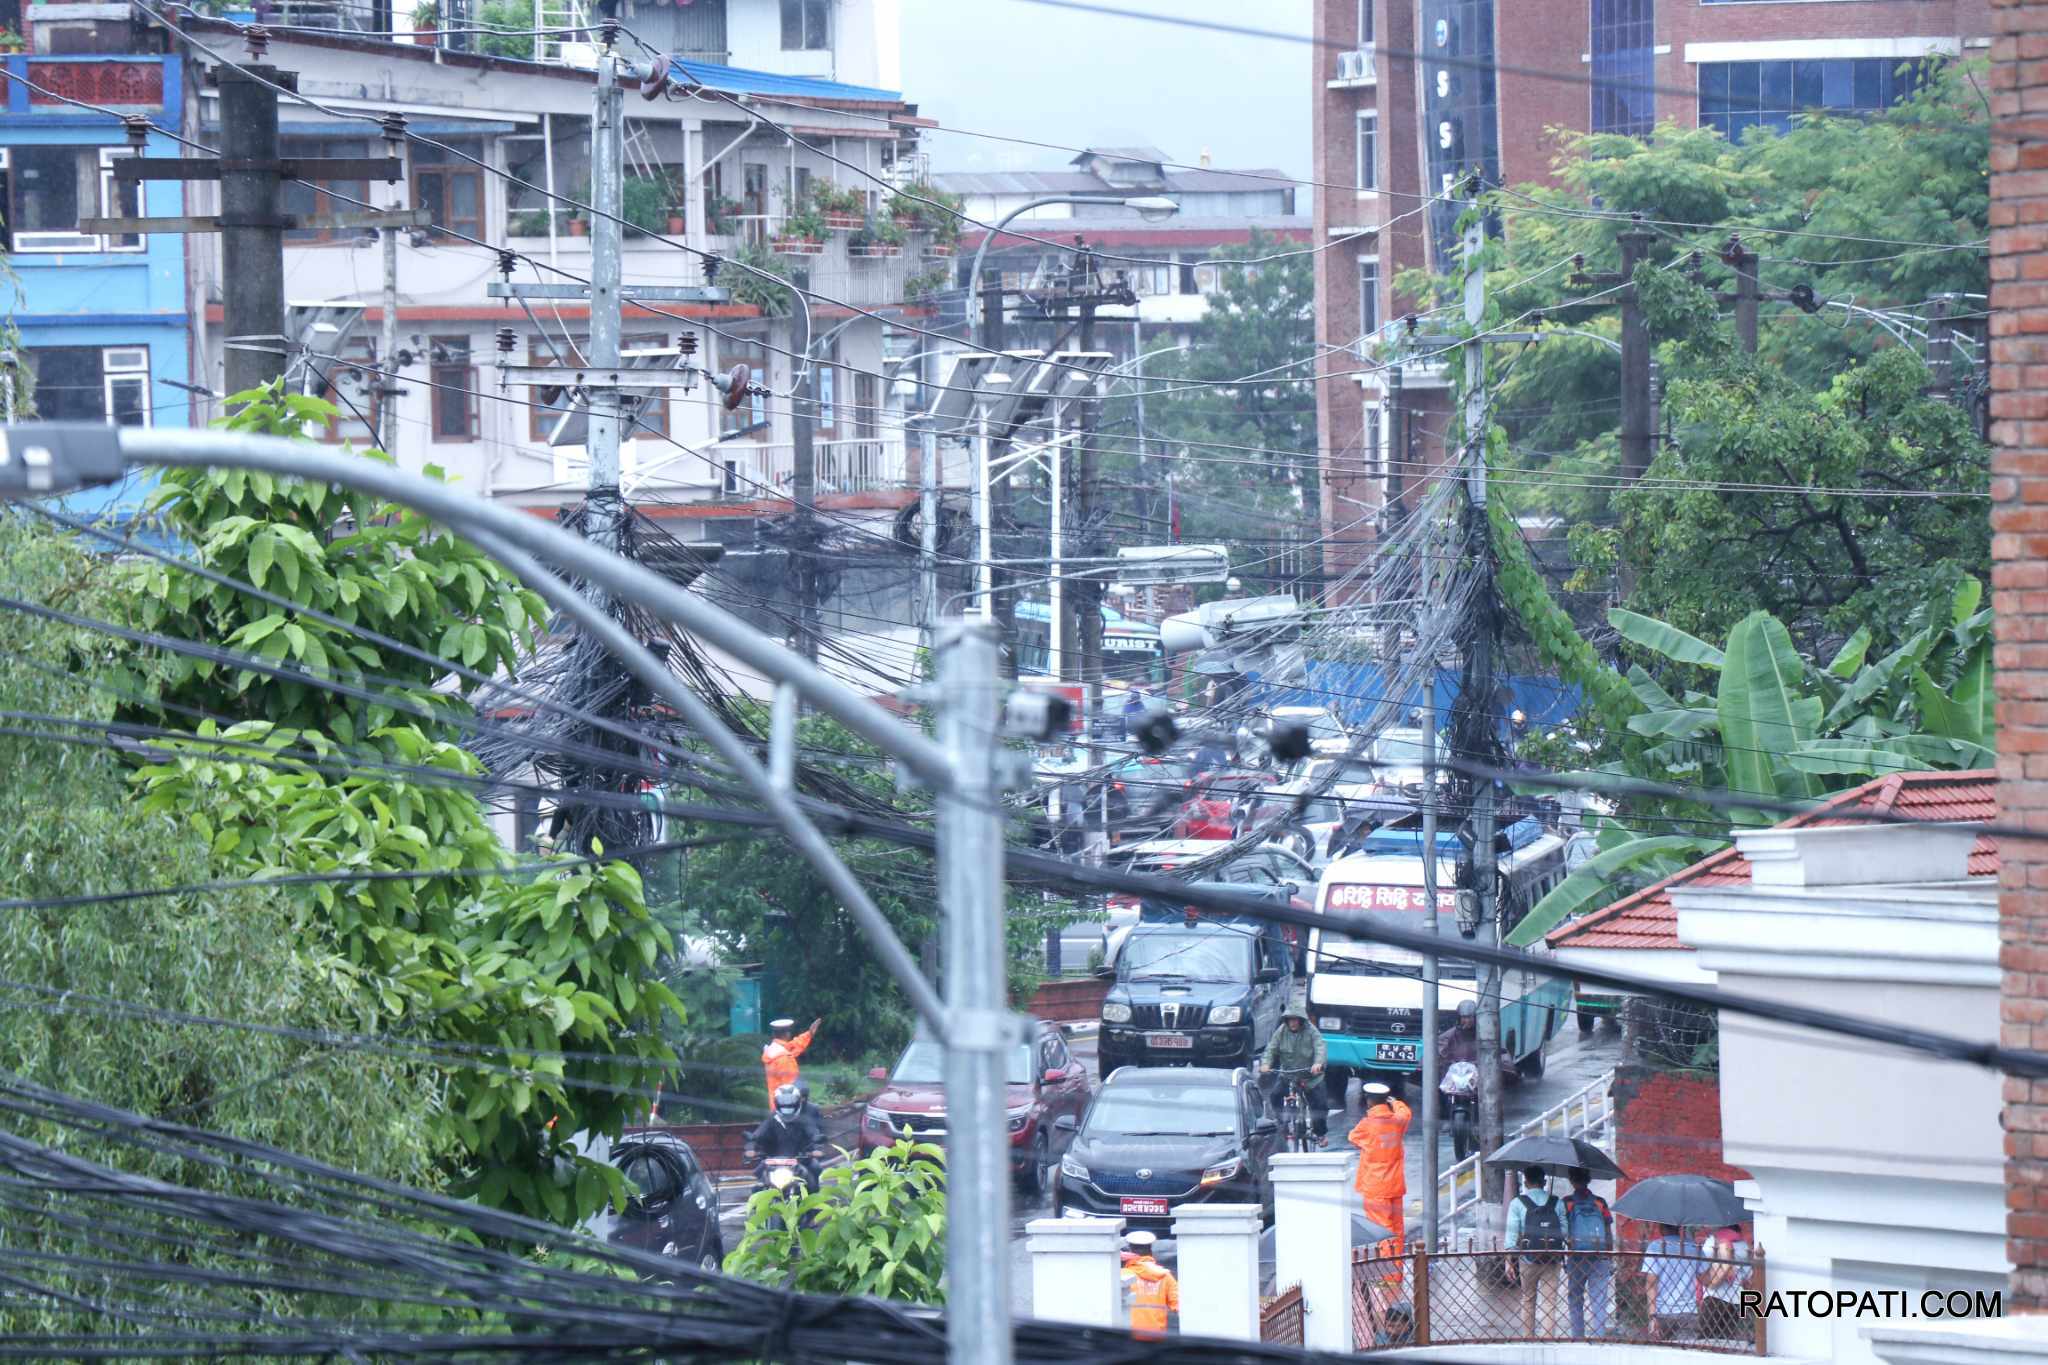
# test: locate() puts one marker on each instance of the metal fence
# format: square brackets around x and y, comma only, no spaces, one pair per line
[1587,1113]
[1475,1297]
[1280,1318]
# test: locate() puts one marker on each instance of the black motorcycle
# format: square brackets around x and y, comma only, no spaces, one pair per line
[1461,1093]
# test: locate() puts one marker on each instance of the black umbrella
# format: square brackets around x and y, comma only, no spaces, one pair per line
[1687,1201]
[1558,1154]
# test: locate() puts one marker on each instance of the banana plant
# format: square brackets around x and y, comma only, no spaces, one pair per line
[1780,726]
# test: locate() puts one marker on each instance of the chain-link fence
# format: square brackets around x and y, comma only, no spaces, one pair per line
[1280,1318]
[1464,1298]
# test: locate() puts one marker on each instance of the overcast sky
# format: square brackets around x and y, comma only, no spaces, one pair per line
[1029,70]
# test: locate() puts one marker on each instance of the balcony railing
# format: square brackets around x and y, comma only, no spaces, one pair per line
[1587,1113]
[1356,67]
[768,469]
[1621,1298]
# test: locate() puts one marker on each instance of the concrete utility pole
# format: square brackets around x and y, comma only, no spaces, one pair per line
[981,1031]
[387,348]
[1088,590]
[1635,358]
[251,225]
[1747,296]
[1397,441]
[606,509]
[1480,680]
[1432,1099]
[803,494]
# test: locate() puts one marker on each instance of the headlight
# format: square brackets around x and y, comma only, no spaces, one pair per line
[1115,1012]
[1019,1119]
[1329,1023]
[1226,1014]
[1072,1169]
[877,1117]
[1217,1174]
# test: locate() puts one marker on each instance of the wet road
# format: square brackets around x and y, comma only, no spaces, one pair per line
[1572,1063]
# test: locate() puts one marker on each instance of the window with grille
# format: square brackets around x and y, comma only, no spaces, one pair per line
[91,384]
[453,379]
[326,197]
[1623,38]
[44,191]
[450,189]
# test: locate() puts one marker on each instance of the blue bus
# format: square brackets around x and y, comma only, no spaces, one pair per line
[1366,997]
[1130,649]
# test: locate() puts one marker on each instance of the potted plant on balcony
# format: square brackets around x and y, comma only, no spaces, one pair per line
[841,210]
[750,277]
[528,223]
[643,203]
[12,41]
[426,21]
[719,220]
[925,286]
[802,233]
[880,239]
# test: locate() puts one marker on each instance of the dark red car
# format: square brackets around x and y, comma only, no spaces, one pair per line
[1046,1084]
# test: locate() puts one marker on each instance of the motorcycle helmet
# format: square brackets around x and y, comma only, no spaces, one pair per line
[789,1101]
[1468,1013]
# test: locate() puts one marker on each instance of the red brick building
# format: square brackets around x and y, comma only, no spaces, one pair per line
[1412,94]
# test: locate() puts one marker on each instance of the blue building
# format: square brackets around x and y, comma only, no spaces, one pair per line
[104,320]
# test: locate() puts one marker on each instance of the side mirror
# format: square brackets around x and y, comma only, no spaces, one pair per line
[880,1073]
[1266,976]
[1265,1128]
[1066,1123]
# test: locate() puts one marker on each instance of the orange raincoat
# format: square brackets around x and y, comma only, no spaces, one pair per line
[1153,1293]
[1382,1169]
[778,1059]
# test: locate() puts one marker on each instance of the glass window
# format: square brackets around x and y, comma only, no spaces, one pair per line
[651,1179]
[1364,23]
[305,199]
[1737,96]
[91,384]
[924,1063]
[1368,299]
[44,191]
[806,25]
[1624,100]
[1164,1108]
[453,381]
[1459,109]
[751,417]
[450,189]
[1159,955]
[1368,149]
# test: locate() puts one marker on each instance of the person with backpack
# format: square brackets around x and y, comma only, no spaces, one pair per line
[1536,1230]
[1589,1270]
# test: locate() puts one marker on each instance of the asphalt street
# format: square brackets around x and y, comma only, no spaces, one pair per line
[1572,1063]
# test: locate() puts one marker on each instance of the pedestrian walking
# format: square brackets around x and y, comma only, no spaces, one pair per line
[1536,1230]
[1382,1178]
[1150,1290]
[1724,1277]
[1673,1265]
[778,1058]
[1589,1270]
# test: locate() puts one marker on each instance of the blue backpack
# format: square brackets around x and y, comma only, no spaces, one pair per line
[1587,1222]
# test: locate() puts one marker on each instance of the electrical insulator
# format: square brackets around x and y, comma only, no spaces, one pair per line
[686,344]
[508,261]
[712,261]
[257,38]
[506,338]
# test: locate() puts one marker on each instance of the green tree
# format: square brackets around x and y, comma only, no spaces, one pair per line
[874,1228]
[548,979]
[1260,322]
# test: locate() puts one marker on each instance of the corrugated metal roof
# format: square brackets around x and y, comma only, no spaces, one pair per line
[1649,919]
[739,80]
[1149,154]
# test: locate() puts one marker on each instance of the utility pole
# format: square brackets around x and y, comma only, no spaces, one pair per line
[1480,683]
[606,509]
[1635,358]
[387,345]
[1088,592]
[804,494]
[251,225]
[981,1031]
[1397,440]
[1432,1101]
[1747,296]
[1941,347]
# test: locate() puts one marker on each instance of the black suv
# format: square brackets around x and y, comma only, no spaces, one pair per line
[1194,991]
[671,1207]
[1156,1138]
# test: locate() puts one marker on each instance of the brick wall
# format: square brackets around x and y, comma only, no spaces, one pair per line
[1667,1124]
[2019,582]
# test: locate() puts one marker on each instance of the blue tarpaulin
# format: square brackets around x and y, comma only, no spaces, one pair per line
[1355,693]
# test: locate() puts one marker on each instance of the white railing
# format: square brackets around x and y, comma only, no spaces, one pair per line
[1356,66]
[750,470]
[1587,1113]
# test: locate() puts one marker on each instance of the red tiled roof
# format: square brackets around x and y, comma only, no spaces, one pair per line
[1648,919]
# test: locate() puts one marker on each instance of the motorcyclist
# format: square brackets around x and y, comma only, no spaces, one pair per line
[787,1131]
[1297,1045]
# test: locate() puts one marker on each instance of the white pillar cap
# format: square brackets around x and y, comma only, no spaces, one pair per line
[1309,1167]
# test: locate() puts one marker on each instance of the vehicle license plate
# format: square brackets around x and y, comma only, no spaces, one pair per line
[1394,1052]
[1171,1040]
[1145,1208]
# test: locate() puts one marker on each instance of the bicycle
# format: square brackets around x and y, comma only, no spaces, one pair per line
[1295,1099]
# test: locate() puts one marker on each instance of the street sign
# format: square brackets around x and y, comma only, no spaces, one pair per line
[1153,565]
